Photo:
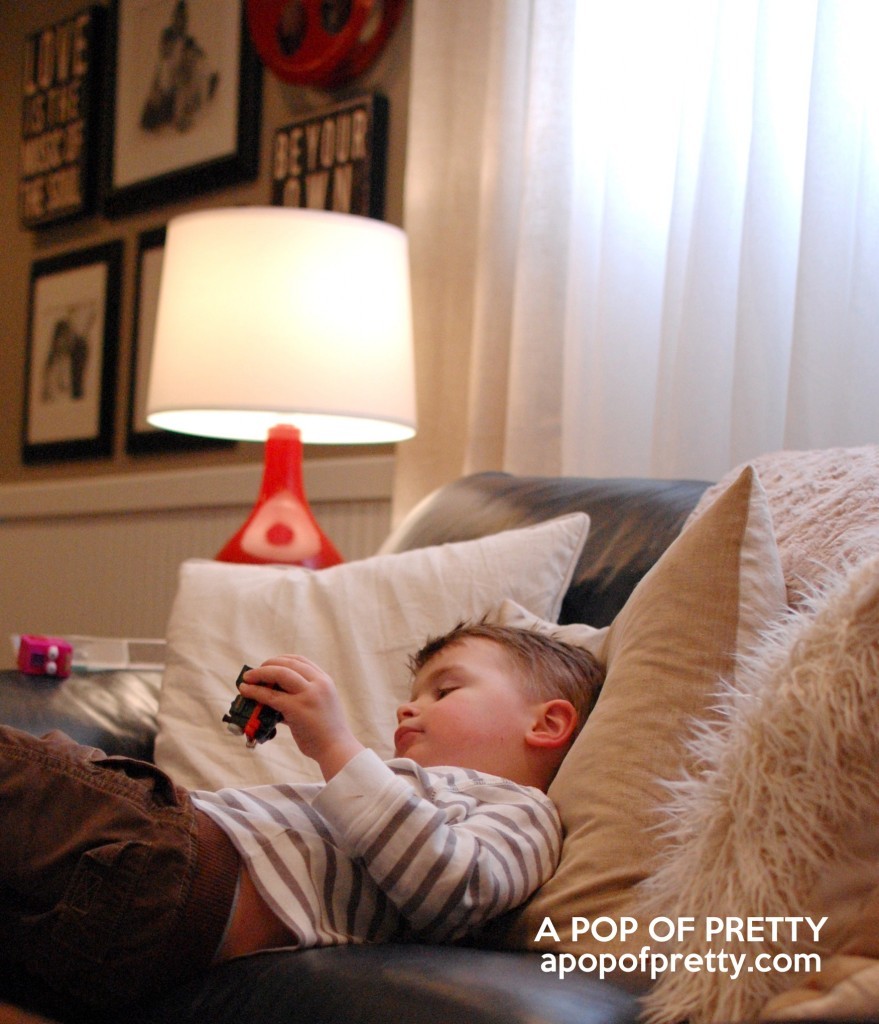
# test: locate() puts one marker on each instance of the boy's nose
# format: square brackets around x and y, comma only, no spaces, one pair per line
[405,711]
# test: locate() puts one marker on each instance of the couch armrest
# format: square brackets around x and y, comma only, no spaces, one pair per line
[114,711]
[633,520]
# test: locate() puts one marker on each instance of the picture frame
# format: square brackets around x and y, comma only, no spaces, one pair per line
[71,361]
[143,438]
[183,102]
[60,103]
[334,159]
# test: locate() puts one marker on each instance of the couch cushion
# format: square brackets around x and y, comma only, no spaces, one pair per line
[388,984]
[704,601]
[113,711]
[359,622]
[782,815]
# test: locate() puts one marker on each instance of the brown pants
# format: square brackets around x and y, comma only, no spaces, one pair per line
[112,885]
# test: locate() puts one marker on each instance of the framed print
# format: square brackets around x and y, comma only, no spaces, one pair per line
[142,436]
[70,372]
[183,102]
[59,119]
[334,159]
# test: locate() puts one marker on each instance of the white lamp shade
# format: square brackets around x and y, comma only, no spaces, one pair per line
[273,315]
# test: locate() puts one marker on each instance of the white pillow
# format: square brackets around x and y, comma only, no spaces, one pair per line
[577,634]
[359,622]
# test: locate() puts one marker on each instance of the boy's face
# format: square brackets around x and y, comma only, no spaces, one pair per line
[468,709]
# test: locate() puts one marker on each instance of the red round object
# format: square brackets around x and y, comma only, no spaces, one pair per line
[322,43]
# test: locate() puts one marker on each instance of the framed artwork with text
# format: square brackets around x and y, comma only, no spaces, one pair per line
[334,159]
[59,163]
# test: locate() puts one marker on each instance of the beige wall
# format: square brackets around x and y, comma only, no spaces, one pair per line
[281,104]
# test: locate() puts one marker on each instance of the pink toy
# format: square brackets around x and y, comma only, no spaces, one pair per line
[45,656]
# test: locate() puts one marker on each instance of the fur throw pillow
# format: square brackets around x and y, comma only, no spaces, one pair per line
[782,816]
[825,507]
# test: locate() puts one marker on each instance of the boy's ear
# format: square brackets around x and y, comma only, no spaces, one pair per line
[554,723]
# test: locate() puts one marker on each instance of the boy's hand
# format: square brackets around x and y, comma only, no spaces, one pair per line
[309,701]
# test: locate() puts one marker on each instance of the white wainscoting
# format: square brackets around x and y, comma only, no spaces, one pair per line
[99,557]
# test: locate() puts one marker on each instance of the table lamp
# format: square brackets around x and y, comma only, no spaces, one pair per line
[291,327]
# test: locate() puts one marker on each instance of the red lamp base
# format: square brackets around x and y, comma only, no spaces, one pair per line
[281,527]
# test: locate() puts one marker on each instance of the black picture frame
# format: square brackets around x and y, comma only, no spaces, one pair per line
[334,159]
[142,438]
[64,68]
[172,135]
[72,348]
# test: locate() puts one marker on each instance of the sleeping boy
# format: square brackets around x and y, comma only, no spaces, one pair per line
[115,883]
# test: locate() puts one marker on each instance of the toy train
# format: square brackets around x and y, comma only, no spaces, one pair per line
[247,717]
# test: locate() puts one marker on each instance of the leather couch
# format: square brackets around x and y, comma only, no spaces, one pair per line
[632,523]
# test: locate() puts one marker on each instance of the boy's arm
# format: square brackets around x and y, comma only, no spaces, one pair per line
[450,849]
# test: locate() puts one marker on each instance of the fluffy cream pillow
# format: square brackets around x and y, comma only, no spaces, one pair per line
[706,599]
[847,988]
[824,505]
[782,816]
[359,621]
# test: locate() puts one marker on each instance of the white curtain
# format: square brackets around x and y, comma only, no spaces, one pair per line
[645,234]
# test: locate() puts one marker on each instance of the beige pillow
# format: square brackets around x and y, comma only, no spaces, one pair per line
[359,622]
[705,600]
[783,818]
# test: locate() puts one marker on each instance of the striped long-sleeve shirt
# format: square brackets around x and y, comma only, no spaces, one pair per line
[389,850]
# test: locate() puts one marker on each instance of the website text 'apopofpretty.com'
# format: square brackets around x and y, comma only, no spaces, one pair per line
[723,946]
